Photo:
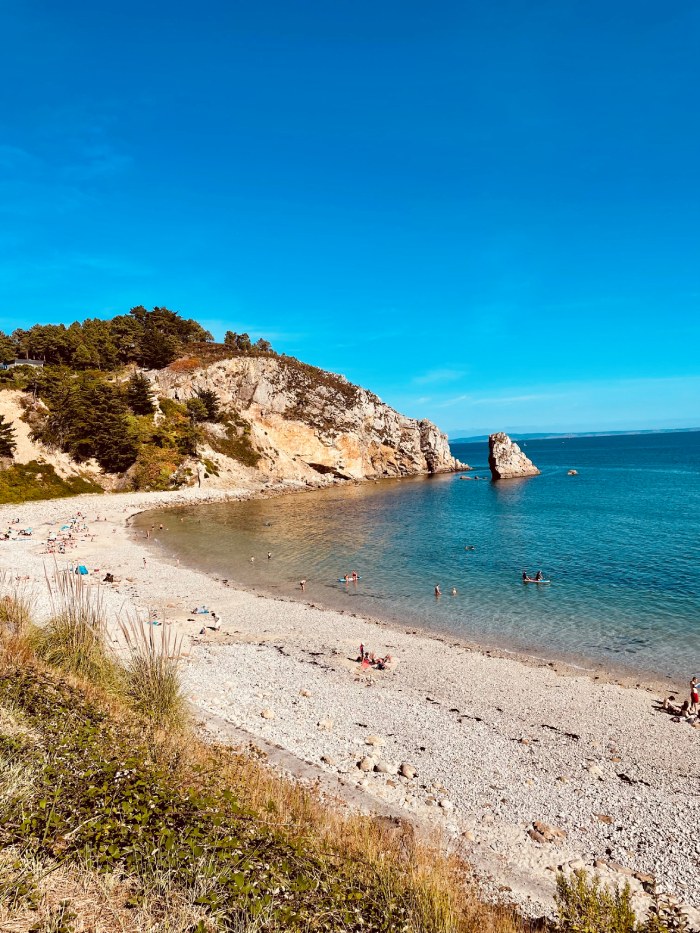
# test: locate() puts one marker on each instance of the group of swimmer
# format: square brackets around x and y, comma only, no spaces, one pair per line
[536,579]
[351,577]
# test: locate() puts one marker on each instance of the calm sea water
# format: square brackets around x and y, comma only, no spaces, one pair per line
[620,543]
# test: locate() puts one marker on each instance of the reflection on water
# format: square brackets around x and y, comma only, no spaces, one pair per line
[620,543]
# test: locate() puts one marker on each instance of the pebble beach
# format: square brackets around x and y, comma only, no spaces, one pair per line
[527,765]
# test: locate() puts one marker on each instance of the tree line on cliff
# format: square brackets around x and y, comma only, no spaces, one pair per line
[151,339]
[90,400]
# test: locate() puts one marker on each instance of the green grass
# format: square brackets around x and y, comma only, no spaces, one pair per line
[28,482]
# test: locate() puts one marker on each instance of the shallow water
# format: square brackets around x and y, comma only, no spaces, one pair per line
[620,543]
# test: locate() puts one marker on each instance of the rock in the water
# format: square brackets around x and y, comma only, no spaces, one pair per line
[506,460]
[572,473]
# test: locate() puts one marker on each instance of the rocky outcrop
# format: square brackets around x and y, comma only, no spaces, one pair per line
[506,459]
[307,423]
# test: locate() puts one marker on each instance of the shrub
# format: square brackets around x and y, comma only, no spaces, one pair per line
[586,907]
[153,683]
[27,482]
[155,467]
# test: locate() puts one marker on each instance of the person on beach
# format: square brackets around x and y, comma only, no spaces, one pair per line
[362,652]
[269,555]
[437,590]
[454,590]
[302,584]
[694,695]
[144,563]
[217,621]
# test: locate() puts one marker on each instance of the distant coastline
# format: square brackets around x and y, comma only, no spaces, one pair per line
[516,436]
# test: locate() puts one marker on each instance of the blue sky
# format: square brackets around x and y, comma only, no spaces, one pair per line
[485,212]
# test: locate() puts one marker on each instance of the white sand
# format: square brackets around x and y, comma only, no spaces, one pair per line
[504,742]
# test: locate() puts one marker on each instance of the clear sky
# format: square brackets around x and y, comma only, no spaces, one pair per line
[488,213]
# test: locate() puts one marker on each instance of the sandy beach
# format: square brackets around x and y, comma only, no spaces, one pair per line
[528,765]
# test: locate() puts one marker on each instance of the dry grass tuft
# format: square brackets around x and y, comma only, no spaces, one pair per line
[153,682]
[16,610]
[76,639]
[89,901]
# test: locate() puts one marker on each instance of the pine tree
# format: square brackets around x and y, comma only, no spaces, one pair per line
[210,401]
[7,438]
[138,395]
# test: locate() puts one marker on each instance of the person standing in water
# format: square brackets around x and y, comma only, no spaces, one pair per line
[437,589]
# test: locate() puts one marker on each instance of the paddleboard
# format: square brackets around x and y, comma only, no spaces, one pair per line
[537,581]
[342,579]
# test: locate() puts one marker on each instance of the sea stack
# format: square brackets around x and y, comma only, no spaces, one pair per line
[506,459]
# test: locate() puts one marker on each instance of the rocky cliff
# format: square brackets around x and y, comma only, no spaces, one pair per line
[305,423]
[506,459]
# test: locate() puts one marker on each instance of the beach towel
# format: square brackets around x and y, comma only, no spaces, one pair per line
[81,570]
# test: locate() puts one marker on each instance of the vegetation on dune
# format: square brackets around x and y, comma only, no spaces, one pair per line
[28,482]
[110,818]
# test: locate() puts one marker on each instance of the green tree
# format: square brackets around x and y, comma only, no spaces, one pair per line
[82,358]
[197,410]
[157,349]
[263,345]
[7,438]
[210,400]
[8,350]
[138,395]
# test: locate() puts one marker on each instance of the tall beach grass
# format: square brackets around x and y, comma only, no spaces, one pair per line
[75,639]
[153,683]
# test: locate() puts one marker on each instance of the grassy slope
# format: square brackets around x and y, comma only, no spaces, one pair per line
[156,832]
[28,482]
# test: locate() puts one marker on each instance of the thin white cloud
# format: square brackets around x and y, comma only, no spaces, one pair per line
[438,375]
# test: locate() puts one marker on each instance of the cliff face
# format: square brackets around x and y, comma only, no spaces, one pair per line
[306,423]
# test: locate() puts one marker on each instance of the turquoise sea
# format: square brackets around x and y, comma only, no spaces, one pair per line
[620,543]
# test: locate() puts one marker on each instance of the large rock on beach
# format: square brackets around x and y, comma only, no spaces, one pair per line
[506,459]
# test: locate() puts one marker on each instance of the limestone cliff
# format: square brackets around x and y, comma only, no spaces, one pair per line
[506,459]
[306,423]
